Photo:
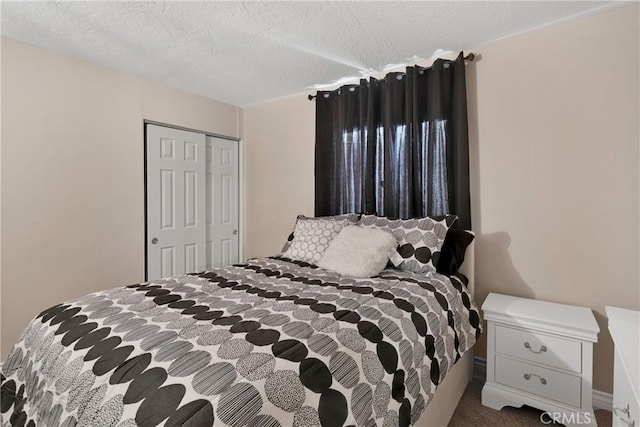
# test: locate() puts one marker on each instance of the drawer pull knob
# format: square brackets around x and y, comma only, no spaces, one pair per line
[528,377]
[625,417]
[528,346]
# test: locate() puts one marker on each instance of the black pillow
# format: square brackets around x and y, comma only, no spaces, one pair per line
[453,249]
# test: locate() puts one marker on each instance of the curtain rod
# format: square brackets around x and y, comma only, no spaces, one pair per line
[469,57]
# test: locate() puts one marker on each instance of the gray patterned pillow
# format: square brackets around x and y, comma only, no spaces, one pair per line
[312,238]
[419,239]
[352,217]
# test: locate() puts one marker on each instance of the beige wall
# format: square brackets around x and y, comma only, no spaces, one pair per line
[279,139]
[555,120]
[554,165]
[72,175]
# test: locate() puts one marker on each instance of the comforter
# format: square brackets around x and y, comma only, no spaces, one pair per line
[270,342]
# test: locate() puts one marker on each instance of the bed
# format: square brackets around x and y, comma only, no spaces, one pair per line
[268,342]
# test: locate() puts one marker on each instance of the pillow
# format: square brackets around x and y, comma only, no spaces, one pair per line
[358,251]
[453,250]
[312,238]
[419,239]
[351,217]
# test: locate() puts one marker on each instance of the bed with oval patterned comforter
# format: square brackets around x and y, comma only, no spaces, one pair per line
[270,342]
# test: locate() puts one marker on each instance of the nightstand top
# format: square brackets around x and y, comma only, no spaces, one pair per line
[559,318]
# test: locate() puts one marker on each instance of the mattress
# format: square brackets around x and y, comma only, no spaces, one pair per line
[270,342]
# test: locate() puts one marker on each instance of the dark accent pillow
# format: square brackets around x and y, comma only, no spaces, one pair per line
[453,249]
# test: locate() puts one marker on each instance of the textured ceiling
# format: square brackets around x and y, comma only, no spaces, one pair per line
[245,53]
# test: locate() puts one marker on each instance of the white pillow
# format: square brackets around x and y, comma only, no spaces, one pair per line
[358,251]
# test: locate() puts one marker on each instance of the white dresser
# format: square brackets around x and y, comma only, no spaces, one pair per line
[624,326]
[540,354]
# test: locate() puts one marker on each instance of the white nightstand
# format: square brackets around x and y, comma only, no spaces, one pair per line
[540,354]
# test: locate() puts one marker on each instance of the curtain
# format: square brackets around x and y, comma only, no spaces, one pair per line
[397,146]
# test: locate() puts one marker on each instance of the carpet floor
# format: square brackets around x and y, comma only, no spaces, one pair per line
[470,412]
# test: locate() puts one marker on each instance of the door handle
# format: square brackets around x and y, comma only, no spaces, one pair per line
[154,241]
[235,232]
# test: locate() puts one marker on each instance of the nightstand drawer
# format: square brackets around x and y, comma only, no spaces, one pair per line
[539,348]
[543,382]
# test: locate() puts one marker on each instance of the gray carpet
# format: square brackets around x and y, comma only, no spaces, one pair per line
[470,412]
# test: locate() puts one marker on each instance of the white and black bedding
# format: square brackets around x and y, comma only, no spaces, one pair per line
[270,342]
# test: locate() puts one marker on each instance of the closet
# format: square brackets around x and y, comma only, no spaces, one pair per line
[192,201]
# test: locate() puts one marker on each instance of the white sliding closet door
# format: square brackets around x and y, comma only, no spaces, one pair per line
[192,202]
[222,202]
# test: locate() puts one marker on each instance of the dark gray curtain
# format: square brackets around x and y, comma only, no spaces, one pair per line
[396,147]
